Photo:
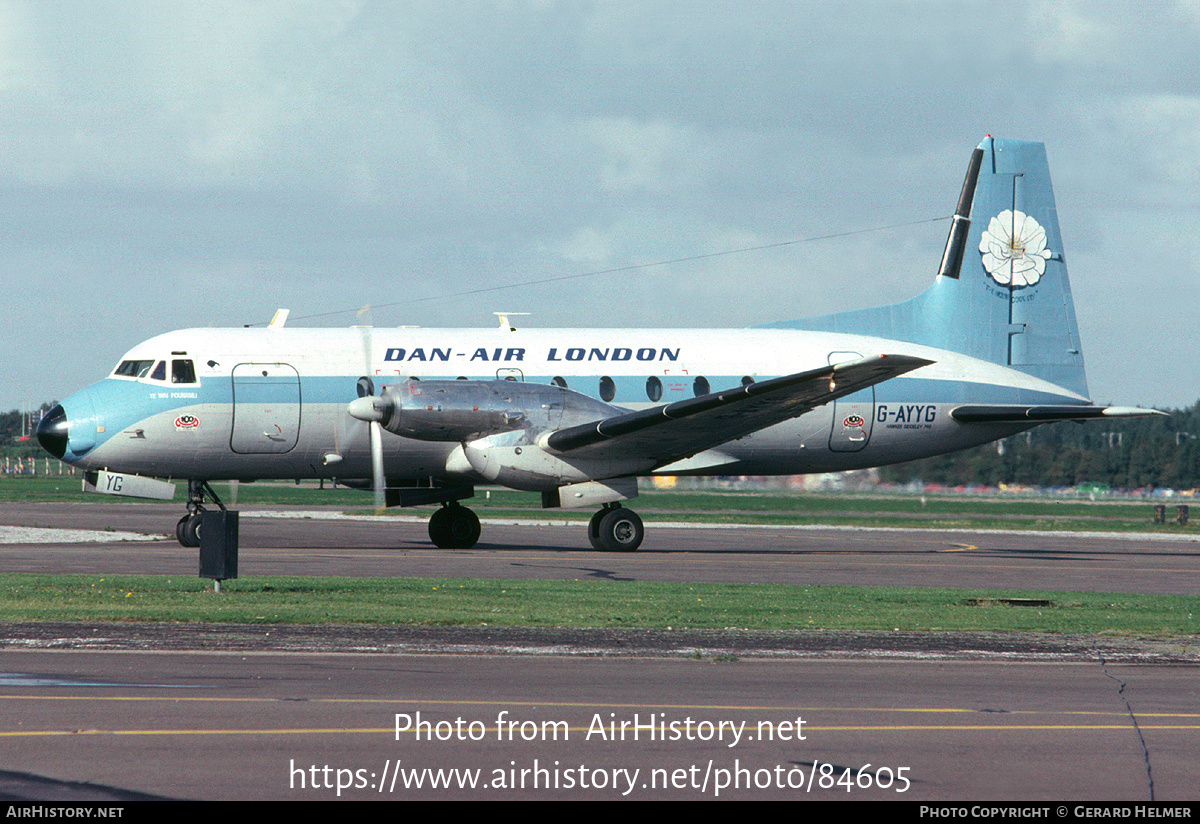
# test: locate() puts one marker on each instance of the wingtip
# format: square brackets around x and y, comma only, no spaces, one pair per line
[1130,412]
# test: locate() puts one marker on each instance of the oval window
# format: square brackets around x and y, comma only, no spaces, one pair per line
[747,380]
[558,380]
[608,389]
[653,388]
[700,387]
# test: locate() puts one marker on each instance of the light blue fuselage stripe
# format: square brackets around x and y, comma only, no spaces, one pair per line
[117,394]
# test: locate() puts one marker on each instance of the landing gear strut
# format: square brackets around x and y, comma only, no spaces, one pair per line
[616,529]
[187,531]
[454,527]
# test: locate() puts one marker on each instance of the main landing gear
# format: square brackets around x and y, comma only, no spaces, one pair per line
[612,529]
[187,531]
[616,529]
[454,527]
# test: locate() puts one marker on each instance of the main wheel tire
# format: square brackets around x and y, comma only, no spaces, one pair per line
[464,527]
[620,530]
[180,534]
[454,527]
[439,531]
[594,530]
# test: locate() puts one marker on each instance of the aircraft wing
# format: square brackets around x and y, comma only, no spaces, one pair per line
[1044,414]
[678,430]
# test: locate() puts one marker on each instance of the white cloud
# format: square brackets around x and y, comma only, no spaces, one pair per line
[367,152]
[655,156]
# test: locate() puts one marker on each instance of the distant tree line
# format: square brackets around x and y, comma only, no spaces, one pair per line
[11,444]
[1123,454]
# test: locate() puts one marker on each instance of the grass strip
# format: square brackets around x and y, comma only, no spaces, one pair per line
[768,507]
[585,603]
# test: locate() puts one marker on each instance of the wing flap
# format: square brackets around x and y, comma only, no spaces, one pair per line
[677,430]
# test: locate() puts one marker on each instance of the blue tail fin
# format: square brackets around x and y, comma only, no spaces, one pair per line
[1002,293]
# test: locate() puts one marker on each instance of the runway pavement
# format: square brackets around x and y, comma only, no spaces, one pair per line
[221,713]
[323,726]
[322,542]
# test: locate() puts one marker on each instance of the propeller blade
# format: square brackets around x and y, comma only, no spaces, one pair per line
[372,409]
[377,479]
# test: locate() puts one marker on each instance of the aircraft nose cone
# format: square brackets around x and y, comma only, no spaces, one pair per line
[52,432]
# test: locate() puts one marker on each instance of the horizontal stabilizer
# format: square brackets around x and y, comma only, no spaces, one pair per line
[676,430]
[1044,414]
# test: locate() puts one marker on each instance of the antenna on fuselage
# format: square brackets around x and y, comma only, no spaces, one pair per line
[955,244]
[281,316]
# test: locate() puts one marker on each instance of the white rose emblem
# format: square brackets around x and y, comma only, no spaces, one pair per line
[1014,249]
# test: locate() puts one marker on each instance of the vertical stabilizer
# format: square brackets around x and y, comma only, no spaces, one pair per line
[1002,293]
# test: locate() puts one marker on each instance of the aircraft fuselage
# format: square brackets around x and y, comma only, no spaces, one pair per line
[272,403]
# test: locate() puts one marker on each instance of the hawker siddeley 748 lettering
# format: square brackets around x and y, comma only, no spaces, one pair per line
[423,415]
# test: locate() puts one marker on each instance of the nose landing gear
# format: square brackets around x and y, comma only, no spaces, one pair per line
[187,531]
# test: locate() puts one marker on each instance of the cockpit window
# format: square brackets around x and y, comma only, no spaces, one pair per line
[183,371]
[134,368]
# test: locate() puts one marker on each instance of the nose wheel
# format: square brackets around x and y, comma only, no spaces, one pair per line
[187,531]
[616,529]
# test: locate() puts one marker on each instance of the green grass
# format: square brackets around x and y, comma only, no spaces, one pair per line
[772,507]
[69,488]
[473,602]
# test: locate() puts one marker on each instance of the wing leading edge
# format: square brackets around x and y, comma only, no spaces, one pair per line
[678,430]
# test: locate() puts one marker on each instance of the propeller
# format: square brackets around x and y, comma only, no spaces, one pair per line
[368,407]
[371,409]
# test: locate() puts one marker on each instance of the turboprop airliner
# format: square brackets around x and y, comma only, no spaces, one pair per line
[422,416]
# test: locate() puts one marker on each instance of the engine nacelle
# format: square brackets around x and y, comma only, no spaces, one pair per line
[467,410]
[509,459]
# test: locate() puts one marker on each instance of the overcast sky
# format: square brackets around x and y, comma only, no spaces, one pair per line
[175,164]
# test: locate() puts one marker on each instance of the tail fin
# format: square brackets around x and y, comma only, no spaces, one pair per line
[1002,293]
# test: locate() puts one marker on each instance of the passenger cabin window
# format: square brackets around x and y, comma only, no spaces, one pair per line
[608,389]
[653,388]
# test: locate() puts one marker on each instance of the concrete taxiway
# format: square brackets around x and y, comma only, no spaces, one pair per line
[290,541]
[323,726]
[110,713]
